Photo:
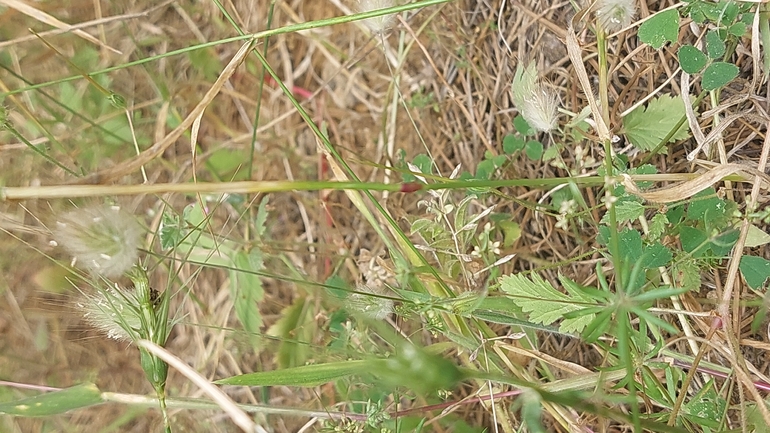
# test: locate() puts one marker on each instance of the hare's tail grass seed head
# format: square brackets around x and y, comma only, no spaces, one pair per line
[536,102]
[103,239]
[113,311]
[614,15]
[380,24]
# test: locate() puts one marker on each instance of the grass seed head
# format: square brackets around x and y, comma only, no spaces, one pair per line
[614,15]
[380,24]
[537,103]
[103,239]
[114,312]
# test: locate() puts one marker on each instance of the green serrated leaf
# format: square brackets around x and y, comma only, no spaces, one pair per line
[691,59]
[738,29]
[656,255]
[646,127]
[625,210]
[259,223]
[693,240]
[756,270]
[718,74]
[56,402]
[687,274]
[170,232]
[534,150]
[657,226]
[660,28]
[630,245]
[715,46]
[512,144]
[521,125]
[246,289]
[545,304]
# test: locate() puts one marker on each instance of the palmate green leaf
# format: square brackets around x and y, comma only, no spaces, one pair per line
[647,127]
[53,403]
[545,304]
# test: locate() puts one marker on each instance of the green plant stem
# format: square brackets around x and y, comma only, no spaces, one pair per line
[601,43]
[35,149]
[247,187]
[601,40]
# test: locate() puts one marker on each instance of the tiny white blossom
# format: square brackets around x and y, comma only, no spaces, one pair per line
[614,15]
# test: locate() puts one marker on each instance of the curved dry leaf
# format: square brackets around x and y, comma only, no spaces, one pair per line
[689,188]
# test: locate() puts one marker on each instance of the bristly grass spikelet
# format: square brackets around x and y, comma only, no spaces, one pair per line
[103,239]
[614,15]
[537,103]
[112,311]
[377,25]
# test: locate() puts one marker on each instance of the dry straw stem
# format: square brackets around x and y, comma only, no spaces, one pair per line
[83,25]
[729,327]
[239,417]
[573,49]
[689,188]
[51,21]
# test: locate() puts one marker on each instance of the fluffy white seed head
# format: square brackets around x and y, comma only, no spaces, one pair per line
[537,103]
[380,24]
[114,312]
[103,239]
[614,15]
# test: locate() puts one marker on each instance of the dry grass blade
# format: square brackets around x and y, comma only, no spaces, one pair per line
[51,21]
[158,148]
[689,188]
[573,48]
[238,416]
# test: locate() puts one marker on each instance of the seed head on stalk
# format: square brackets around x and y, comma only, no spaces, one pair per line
[103,239]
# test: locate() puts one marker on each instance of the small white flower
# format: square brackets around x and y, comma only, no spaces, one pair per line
[614,15]
[537,103]
[103,239]
[380,24]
